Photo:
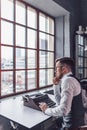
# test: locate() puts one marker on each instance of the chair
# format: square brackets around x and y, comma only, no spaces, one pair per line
[84,98]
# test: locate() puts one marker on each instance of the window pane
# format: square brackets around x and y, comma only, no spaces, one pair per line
[43,77]
[20,13]
[85,62]
[6,82]
[42,22]
[50,41]
[80,50]
[85,53]
[7,9]
[46,42]
[85,72]
[43,59]
[50,76]
[80,61]
[20,81]
[46,24]
[46,77]
[6,57]
[43,41]
[80,39]
[20,36]
[50,59]
[31,17]
[50,25]
[20,58]
[6,33]
[31,79]
[32,59]
[46,59]
[80,73]
[32,39]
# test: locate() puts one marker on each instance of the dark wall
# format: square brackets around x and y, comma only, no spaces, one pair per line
[73,6]
[83,14]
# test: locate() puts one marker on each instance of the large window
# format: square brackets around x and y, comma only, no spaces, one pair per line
[26,48]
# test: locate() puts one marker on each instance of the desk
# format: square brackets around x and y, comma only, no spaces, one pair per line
[14,110]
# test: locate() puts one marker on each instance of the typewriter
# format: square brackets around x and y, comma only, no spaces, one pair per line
[33,101]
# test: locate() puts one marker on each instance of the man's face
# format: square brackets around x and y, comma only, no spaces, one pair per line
[59,70]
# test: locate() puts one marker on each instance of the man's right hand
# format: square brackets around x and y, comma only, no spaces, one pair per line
[55,80]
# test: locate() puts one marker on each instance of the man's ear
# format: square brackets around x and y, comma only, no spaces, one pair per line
[63,69]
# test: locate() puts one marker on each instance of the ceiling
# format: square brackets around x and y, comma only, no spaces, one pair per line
[48,6]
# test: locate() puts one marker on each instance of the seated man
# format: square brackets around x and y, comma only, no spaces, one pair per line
[67,90]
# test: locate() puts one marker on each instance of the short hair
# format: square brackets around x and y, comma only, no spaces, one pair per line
[66,60]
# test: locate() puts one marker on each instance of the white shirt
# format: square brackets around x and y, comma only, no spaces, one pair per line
[70,87]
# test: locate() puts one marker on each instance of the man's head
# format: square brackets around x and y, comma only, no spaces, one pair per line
[63,66]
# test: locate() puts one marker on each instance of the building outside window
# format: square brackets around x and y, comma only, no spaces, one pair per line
[26,48]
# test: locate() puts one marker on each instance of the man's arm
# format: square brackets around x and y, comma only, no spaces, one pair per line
[65,103]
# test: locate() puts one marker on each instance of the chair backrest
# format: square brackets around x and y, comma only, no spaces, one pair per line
[84,100]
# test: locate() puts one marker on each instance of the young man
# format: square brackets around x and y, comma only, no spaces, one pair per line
[67,91]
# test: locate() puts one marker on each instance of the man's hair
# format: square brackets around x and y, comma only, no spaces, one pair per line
[66,60]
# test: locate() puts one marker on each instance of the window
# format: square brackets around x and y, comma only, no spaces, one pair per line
[81,56]
[27,48]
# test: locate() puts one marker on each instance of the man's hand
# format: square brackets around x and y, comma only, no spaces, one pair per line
[56,80]
[43,106]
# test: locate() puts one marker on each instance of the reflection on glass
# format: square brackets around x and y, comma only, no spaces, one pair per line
[6,57]
[20,81]
[20,58]
[31,79]
[6,82]
[31,17]
[31,39]
[20,36]
[7,9]
[6,33]
[31,59]
[20,13]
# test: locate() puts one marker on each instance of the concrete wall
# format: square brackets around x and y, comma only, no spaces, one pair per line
[73,6]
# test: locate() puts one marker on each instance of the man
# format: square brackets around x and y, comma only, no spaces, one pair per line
[67,91]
